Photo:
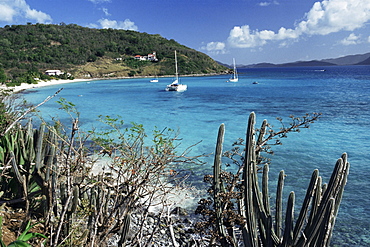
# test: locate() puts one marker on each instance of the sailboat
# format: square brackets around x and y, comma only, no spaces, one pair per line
[175,85]
[154,79]
[234,77]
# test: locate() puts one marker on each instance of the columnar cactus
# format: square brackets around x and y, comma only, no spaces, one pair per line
[32,156]
[218,186]
[259,229]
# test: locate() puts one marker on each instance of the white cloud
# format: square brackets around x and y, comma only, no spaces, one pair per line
[38,16]
[215,47]
[105,10]
[352,39]
[99,1]
[93,25]
[287,34]
[331,16]
[6,13]
[265,4]
[12,10]
[368,39]
[243,37]
[126,24]
[324,17]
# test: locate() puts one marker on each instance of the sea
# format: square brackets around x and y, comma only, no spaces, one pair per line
[340,93]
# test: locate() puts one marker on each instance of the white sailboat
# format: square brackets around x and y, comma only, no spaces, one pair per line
[154,79]
[234,77]
[175,85]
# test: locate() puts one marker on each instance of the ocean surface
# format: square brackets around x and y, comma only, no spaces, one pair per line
[341,94]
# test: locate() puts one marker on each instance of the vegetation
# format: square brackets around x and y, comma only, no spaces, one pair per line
[28,50]
[238,209]
[22,239]
[52,175]
[11,108]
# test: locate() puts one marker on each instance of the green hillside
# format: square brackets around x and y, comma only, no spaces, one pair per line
[26,51]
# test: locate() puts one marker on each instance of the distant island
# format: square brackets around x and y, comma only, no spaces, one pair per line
[72,51]
[359,59]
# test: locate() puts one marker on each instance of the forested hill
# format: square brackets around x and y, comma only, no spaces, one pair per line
[29,50]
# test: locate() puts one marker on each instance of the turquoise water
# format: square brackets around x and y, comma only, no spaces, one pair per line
[341,94]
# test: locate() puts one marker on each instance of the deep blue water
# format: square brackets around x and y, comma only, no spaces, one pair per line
[341,94]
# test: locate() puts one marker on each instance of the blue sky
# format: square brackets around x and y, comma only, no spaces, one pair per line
[250,31]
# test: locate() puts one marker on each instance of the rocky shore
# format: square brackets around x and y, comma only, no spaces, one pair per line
[175,229]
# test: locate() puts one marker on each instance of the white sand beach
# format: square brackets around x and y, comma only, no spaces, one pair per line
[25,86]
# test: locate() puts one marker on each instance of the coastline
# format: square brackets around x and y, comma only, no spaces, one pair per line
[25,86]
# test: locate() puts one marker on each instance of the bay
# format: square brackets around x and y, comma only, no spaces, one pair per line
[341,94]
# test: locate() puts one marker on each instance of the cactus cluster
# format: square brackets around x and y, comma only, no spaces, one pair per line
[263,225]
[21,154]
[45,172]
[49,175]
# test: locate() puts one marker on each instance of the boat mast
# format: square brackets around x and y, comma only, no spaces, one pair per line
[235,73]
[177,74]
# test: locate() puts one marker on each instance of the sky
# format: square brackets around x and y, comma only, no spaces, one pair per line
[251,31]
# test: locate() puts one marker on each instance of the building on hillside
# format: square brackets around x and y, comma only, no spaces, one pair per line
[141,58]
[54,72]
[150,57]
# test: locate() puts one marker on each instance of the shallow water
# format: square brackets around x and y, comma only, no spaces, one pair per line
[341,94]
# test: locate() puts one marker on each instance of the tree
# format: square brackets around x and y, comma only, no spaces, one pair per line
[66,46]
[3,77]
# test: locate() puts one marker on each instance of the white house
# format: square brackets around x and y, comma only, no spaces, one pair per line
[141,58]
[53,72]
[150,57]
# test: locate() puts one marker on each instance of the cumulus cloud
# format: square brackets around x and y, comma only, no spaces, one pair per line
[244,37]
[352,39]
[126,24]
[328,16]
[13,10]
[38,16]
[336,15]
[6,12]
[215,47]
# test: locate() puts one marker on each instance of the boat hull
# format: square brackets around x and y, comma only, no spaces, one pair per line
[178,87]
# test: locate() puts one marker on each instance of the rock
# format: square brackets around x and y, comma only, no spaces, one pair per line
[190,231]
[151,220]
[179,211]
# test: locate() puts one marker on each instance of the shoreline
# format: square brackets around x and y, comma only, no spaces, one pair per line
[25,86]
